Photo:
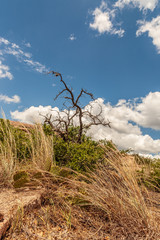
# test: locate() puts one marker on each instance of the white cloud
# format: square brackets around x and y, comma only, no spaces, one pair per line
[13,99]
[27,45]
[103,21]
[14,45]
[153,29]
[72,37]
[141,4]
[36,65]
[148,114]
[4,71]
[126,118]
[32,114]
[9,48]
[4,41]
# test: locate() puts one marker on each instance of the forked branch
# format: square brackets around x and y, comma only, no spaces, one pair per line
[72,112]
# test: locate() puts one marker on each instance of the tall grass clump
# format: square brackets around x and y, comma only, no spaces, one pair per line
[23,150]
[42,152]
[8,152]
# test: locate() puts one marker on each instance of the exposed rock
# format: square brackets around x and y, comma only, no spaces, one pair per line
[11,201]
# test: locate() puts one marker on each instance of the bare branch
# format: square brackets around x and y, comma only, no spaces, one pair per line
[59,94]
[81,93]
[61,123]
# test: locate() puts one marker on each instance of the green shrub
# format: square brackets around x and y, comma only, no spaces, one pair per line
[79,157]
[60,151]
[47,130]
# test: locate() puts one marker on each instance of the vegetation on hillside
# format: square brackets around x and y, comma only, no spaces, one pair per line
[89,177]
[149,173]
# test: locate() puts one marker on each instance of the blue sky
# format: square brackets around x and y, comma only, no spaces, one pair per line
[110,48]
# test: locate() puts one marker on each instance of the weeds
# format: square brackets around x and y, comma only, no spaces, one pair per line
[18,220]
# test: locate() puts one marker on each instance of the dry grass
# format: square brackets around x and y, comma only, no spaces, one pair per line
[105,203]
[7,154]
[63,217]
[116,193]
[42,149]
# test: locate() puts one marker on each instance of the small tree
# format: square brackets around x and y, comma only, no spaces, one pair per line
[64,120]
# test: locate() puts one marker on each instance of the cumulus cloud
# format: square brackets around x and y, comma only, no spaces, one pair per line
[126,118]
[103,21]
[153,30]
[141,4]
[10,48]
[5,71]
[6,99]
[148,114]
[32,114]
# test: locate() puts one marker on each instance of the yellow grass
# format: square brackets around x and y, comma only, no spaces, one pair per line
[111,189]
[116,192]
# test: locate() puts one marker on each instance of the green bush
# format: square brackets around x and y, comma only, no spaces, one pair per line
[47,130]
[79,157]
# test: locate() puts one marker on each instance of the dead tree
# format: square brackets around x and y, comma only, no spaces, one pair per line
[73,110]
